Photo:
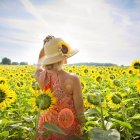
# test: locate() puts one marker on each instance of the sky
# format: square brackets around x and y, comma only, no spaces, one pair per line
[105,31]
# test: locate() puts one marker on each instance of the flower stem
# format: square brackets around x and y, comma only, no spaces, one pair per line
[125,119]
[102,116]
[36,122]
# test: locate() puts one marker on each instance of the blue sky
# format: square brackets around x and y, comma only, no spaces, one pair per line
[103,30]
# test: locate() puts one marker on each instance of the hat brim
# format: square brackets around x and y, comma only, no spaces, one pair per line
[51,60]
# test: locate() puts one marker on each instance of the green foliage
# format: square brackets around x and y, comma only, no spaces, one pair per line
[54,128]
[124,124]
[104,120]
[23,63]
[6,61]
[99,134]
[15,63]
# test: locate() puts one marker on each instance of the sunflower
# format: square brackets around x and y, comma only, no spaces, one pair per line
[115,100]
[93,99]
[44,101]
[117,83]
[20,84]
[64,48]
[70,70]
[10,75]
[84,85]
[7,96]
[123,72]
[3,80]
[73,67]
[130,71]
[138,86]
[35,85]
[136,64]
[86,70]
[98,78]
[87,104]
[17,74]
[92,71]
[112,76]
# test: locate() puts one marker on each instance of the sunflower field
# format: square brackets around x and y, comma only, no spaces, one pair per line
[111,98]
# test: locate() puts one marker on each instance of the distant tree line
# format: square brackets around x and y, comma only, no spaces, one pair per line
[94,64]
[7,61]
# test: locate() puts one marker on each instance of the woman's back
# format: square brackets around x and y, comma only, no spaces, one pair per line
[63,113]
[67,112]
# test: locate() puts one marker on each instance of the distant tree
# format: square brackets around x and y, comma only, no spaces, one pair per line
[93,64]
[23,63]
[6,61]
[15,63]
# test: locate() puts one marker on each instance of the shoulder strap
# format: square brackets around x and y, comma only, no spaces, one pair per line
[47,81]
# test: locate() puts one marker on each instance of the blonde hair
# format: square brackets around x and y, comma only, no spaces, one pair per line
[56,66]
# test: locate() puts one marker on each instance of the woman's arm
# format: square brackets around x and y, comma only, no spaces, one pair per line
[42,53]
[78,100]
[40,71]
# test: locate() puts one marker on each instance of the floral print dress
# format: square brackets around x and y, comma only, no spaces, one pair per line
[62,114]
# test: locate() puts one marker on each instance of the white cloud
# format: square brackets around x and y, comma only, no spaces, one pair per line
[88,25]
[32,10]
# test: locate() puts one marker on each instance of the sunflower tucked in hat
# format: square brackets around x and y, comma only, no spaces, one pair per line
[56,50]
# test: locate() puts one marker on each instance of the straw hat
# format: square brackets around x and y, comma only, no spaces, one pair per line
[56,50]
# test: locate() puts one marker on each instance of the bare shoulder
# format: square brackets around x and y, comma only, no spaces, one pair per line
[72,76]
[75,77]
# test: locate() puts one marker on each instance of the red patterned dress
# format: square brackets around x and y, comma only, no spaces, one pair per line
[63,113]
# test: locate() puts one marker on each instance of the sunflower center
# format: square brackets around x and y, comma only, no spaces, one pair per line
[112,76]
[2,82]
[137,65]
[64,49]
[20,84]
[130,72]
[43,101]
[116,99]
[99,79]
[85,71]
[2,96]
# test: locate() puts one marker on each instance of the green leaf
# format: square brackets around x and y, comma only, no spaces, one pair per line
[47,133]
[130,99]
[16,125]
[97,134]
[112,134]
[4,121]
[93,123]
[100,134]
[124,124]
[26,128]
[108,125]
[4,134]
[137,132]
[135,117]
[91,111]
[54,128]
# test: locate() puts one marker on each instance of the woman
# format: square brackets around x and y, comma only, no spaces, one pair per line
[68,112]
